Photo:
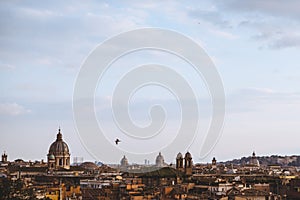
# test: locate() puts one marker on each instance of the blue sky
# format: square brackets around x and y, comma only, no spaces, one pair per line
[254,44]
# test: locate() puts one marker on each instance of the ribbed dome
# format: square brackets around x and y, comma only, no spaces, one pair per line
[59,146]
[89,165]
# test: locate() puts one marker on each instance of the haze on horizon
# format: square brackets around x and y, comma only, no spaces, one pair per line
[254,45]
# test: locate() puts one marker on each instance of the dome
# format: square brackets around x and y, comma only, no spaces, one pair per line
[254,160]
[58,155]
[89,165]
[179,156]
[124,161]
[160,160]
[59,146]
[51,157]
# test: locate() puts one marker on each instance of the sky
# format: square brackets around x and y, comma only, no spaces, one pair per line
[254,45]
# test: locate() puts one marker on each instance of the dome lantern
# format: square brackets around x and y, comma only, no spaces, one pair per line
[59,136]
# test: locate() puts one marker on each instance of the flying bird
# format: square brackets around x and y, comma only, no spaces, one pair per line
[117,141]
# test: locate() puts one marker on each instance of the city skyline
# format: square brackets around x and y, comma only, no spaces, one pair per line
[159,160]
[147,161]
[254,47]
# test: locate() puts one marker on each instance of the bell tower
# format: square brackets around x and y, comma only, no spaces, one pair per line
[188,164]
[4,157]
[214,163]
[179,162]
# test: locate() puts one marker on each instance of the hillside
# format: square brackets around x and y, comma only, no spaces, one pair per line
[268,160]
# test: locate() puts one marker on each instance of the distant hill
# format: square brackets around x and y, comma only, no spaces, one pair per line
[268,160]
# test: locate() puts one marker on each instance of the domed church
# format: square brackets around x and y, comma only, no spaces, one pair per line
[160,161]
[58,155]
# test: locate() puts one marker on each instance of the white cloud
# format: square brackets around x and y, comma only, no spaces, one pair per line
[262,100]
[211,16]
[275,23]
[38,13]
[276,8]
[48,61]
[6,66]
[13,109]
[224,34]
[286,40]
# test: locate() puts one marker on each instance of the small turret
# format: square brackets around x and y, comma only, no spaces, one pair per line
[4,157]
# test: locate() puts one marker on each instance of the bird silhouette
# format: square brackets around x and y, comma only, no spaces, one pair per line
[117,141]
